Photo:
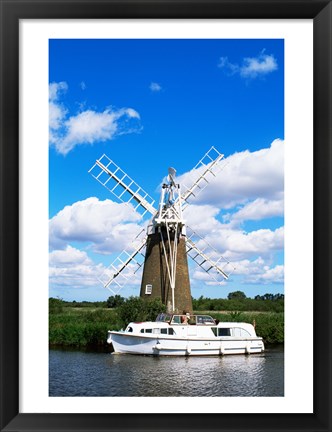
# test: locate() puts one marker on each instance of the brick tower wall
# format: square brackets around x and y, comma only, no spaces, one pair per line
[155,274]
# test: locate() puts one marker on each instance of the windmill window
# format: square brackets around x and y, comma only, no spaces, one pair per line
[148,289]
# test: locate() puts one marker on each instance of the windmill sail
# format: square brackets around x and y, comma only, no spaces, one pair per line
[125,266]
[126,190]
[219,269]
[205,170]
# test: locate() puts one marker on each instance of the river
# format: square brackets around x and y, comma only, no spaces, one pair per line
[80,373]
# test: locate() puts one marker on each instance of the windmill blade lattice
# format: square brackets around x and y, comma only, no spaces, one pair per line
[220,269]
[125,266]
[207,168]
[124,188]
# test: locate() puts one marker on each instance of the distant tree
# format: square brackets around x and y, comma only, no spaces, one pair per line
[236,295]
[272,297]
[115,301]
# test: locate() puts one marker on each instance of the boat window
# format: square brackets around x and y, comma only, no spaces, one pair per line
[215,331]
[156,330]
[148,330]
[129,329]
[176,319]
[204,319]
[240,332]
[169,331]
[142,330]
[224,331]
[163,317]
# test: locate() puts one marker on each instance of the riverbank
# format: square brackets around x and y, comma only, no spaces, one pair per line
[87,327]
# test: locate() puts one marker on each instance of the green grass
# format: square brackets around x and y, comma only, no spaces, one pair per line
[81,327]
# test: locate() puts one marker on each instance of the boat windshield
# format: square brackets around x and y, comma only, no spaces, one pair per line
[204,319]
[164,317]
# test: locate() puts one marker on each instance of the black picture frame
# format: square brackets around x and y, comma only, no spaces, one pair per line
[14,10]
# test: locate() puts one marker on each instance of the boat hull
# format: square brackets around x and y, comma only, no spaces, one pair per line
[162,346]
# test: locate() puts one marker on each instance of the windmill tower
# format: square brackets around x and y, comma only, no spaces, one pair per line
[163,247]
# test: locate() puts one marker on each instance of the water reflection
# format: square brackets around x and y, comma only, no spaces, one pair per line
[97,374]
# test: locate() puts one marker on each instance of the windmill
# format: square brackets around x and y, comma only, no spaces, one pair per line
[162,248]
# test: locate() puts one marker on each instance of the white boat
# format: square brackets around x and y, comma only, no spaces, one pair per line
[186,335]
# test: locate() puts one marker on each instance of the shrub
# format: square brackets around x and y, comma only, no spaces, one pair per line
[138,309]
[55,305]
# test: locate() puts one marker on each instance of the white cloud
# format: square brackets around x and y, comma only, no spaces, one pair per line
[86,127]
[260,208]
[230,67]
[57,112]
[202,218]
[155,87]
[260,272]
[245,251]
[69,256]
[72,267]
[82,85]
[246,176]
[203,276]
[251,67]
[106,225]
[56,90]
[257,66]
[130,113]
[236,244]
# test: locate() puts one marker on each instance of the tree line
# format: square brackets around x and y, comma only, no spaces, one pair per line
[235,301]
[238,301]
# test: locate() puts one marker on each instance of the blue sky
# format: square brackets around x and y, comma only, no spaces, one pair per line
[151,104]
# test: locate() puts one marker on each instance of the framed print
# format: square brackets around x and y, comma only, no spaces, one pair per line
[47,52]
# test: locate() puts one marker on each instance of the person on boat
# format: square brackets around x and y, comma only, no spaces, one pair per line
[184,319]
[188,318]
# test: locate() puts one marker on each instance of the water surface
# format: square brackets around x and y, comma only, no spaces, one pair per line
[78,373]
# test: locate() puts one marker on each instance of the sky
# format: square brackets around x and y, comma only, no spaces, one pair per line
[151,104]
